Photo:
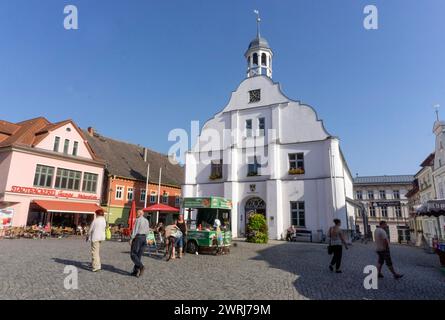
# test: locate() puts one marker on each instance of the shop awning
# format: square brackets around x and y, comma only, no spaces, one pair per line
[67,207]
[161,208]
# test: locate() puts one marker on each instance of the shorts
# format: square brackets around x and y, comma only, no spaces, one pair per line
[385,257]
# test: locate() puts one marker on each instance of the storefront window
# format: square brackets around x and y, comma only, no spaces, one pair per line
[68,179]
[43,176]
[89,182]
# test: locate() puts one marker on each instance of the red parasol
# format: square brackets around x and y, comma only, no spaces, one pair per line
[161,208]
[132,216]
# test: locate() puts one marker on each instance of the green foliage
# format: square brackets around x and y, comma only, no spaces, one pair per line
[257,231]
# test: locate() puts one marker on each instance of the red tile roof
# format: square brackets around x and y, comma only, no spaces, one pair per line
[31,132]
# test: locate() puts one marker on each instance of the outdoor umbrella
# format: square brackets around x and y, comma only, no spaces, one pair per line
[132,216]
[161,208]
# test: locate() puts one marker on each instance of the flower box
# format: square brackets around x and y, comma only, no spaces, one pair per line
[296,171]
[215,176]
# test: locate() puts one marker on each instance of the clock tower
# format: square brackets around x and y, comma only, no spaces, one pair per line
[259,55]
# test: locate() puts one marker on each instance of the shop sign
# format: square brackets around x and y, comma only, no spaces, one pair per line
[196,203]
[388,204]
[52,193]
[212,202]
[221,203]
[6,218]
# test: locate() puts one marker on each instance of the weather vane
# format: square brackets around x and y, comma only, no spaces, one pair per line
[258,20]
[437,106]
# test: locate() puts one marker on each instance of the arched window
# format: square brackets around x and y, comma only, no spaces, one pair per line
[255,59]
[263,59]
[248,61]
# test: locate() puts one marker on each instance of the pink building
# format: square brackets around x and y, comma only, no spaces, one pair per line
[48,172]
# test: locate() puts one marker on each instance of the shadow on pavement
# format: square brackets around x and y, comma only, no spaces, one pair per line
[87,266]
[309,263]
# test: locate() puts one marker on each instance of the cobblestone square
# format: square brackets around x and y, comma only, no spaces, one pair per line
[33,269]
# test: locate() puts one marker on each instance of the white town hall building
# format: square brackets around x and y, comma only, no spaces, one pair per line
[271,155]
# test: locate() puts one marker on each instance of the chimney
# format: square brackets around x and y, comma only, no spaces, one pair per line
[91,131]
[145,154]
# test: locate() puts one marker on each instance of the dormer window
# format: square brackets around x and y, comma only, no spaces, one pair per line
[254,96]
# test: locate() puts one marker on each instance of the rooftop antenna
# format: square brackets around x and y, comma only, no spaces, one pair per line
[258,20]
[437,106]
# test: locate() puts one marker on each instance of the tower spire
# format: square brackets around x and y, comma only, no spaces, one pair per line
[437,106]
[258,20]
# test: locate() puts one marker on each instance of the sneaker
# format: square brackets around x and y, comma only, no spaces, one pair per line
[331,268]
[398,276]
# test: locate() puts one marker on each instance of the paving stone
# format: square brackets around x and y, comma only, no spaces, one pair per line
[33,269]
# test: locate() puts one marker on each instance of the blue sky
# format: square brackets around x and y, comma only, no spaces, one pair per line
[137,69]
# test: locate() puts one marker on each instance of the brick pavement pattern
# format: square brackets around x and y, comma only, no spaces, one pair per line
[33,269]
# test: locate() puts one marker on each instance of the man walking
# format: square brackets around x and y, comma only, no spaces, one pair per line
[382,247]
[96,235]
[138,242]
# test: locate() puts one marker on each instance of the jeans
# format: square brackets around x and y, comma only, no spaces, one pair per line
[336,259]
[180,242]
[137,249]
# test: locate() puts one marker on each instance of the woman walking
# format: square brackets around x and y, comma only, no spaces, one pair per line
[336,242]
[181,224]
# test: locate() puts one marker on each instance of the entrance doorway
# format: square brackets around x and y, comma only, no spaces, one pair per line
[253,205]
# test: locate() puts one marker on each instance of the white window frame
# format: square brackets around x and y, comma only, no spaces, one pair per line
[261,132]
[177,200]
[122,190]
[128,192]
[165,194]
[155,195]
[144,193]
[248,133]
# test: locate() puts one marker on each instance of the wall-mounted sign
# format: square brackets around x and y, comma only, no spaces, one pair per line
[6,217]
[211,202]
[387,204]
[52,193]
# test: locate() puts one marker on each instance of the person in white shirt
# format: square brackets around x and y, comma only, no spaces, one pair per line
[96,235]
[382,248]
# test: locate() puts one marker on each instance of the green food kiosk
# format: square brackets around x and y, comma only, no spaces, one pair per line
[201,215]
